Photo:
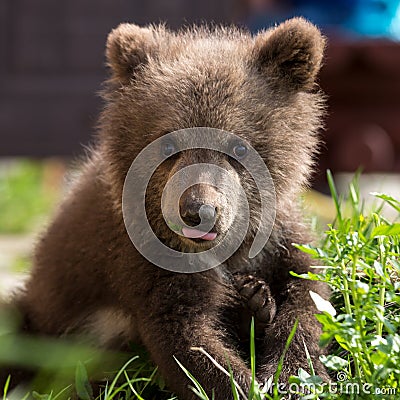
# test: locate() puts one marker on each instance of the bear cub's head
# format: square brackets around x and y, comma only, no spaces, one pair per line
[262,89]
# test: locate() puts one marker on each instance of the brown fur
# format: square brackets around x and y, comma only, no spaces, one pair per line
[261,88]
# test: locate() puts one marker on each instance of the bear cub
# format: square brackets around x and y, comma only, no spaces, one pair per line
[88,277]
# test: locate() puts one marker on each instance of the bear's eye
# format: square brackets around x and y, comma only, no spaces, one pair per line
[240,151]
[167,149]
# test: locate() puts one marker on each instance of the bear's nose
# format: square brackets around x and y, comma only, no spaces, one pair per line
[196,213]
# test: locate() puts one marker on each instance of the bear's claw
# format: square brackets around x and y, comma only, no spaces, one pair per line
[257,300]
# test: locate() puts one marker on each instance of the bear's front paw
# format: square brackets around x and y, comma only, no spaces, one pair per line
[257,301]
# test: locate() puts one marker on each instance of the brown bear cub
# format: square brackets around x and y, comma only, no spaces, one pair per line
[89,278]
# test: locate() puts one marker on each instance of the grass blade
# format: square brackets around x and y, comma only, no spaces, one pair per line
[280,364]
[252,359]
[200,392]
[233,387]
[6,386]
[332,188]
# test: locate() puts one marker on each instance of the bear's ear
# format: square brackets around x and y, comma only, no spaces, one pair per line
[128,47]
[292,51]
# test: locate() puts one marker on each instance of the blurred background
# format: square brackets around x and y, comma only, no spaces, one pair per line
[52,66]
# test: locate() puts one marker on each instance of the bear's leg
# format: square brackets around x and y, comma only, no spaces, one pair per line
[182,314]
[298,305]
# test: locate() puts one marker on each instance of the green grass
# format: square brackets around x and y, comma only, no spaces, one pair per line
[359,253]
[360,258]
[24,201]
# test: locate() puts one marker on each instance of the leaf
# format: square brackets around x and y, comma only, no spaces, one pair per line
[303,375]
[309,275]
[333,362]
[327,322]
[322,304]
[378,268]
[395,264]
[325,339]
[361,287]
[306,248]
[306,380]
[388,199]
[379,358]
[389,326]
[343,342]
[386,230]
[82,384]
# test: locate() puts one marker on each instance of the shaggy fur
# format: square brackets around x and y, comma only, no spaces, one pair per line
[87,275]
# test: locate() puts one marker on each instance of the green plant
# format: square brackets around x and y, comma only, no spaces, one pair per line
[360,261]
[66,363]
[136,380]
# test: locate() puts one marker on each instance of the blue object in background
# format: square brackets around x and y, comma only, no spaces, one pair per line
[353,18]
[377,18]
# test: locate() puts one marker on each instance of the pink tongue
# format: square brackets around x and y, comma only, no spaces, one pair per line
[196,234]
